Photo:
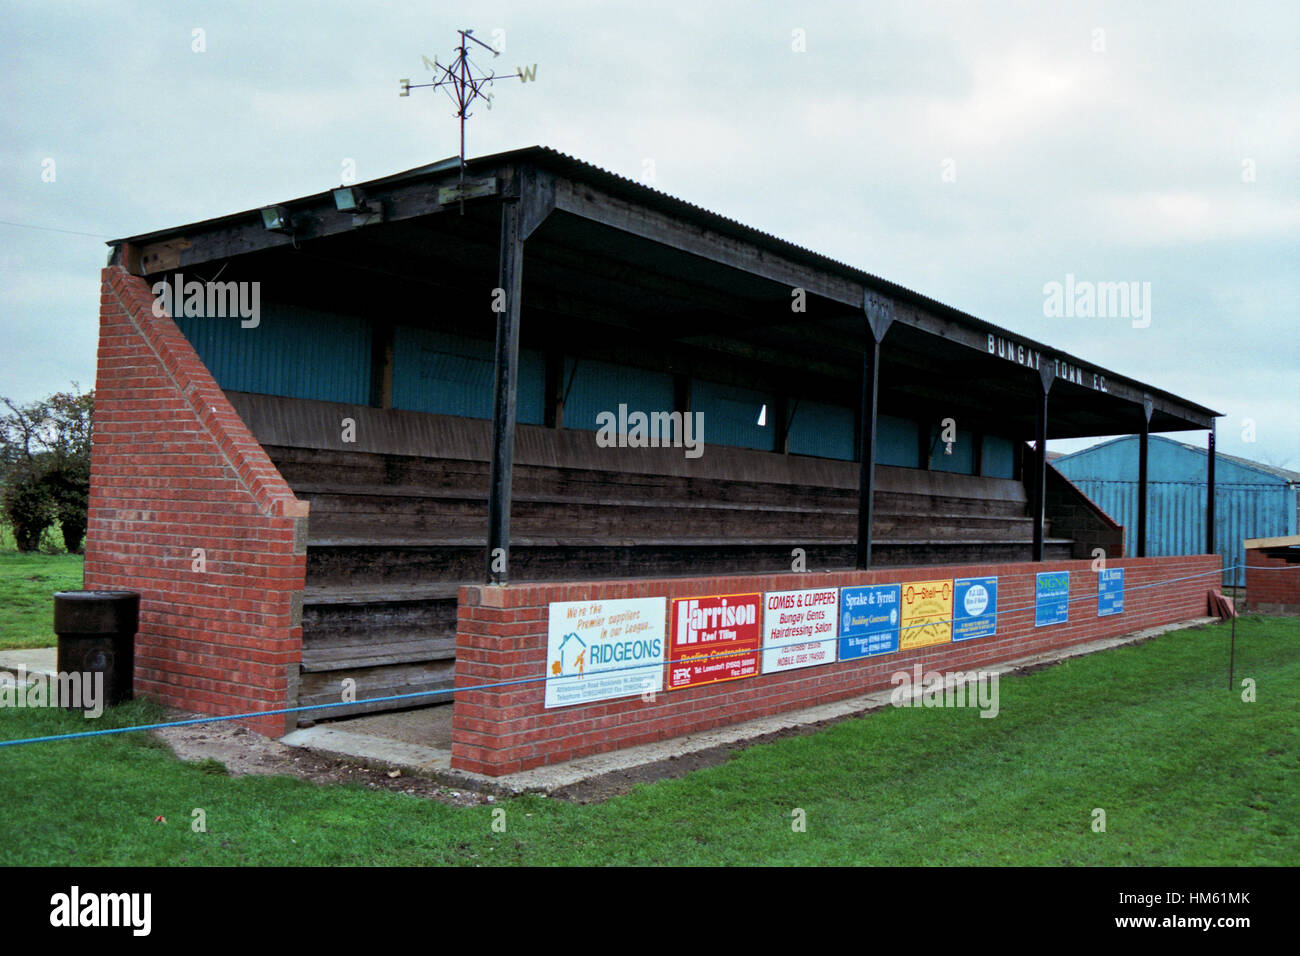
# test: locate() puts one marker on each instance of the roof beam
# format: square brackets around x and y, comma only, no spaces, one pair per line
[590,202]
[313,218]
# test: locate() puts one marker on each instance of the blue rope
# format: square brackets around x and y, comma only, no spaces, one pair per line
[534,680]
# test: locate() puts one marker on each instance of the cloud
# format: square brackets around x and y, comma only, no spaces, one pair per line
[1124,163]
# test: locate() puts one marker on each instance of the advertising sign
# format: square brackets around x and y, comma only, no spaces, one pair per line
[926,614]
[714,638]
[975,608]
[799,628]
[1051,598]
[868,621]
[1110,592]
[598,650]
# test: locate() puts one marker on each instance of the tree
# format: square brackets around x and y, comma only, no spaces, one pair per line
[68,478]
[45,467]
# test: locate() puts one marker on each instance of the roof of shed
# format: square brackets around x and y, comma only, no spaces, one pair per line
[1284,473]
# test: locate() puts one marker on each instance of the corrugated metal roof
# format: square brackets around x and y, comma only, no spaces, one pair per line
[1286,474]
[555,160]
[1291,476]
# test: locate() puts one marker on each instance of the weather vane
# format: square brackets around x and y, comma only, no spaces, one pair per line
[464,83]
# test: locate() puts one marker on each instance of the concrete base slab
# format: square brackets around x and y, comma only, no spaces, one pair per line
[34,660]
[383,751]
[424,727]
[339,738]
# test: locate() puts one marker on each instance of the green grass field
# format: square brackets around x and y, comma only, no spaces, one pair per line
[1187,773]
[27,586]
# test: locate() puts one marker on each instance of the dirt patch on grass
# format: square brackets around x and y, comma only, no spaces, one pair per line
[243,752]
[618,782]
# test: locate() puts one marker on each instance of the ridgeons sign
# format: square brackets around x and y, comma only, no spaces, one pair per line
[1030,357]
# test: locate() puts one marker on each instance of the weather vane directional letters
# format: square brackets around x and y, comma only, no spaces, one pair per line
[464,83]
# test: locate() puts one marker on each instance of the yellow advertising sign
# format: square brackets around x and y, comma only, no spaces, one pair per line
[927,614]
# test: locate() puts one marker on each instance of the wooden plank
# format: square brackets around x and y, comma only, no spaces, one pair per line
[320,659]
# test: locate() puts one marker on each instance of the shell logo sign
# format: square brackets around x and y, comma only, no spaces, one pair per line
[927,614]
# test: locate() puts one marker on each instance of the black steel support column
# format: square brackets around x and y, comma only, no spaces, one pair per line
[1209,493]
[880,315]
[1039,491]
[867,469]
[1143,444]
[506,390]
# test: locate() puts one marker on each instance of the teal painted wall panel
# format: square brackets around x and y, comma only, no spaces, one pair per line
[593,387]
[896,441]
[822,430]
[301,353]
[447,374]
[962,459]
[999,458]
[731,415]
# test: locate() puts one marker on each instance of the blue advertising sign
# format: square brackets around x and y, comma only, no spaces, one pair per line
[869,620]
[1052,598]
[974,608]
[1110,592]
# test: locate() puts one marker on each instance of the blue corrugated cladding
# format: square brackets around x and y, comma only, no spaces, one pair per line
[962,459]
[827,432]
[593,387]
[292,351]
[731,415]
[822,430]
[447,374]
[1262,505]
[896,441]
[999,458]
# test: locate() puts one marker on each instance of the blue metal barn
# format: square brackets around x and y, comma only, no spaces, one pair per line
[1252,500]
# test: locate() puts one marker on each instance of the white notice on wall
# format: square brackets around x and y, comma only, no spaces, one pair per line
[598,650]
[800,628]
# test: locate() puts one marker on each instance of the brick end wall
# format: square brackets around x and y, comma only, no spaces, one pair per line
[1076,516]
[1273,580]
[174,469]
[502,636]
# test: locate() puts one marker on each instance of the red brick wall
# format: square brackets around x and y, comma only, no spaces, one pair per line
[1273,581]
[501,636]
[174,469]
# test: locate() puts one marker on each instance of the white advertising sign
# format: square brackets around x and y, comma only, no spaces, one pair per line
[598,650]
[800,628]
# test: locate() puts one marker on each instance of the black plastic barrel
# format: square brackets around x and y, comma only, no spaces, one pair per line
[96,631]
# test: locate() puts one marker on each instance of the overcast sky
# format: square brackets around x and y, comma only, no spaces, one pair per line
[971,151]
